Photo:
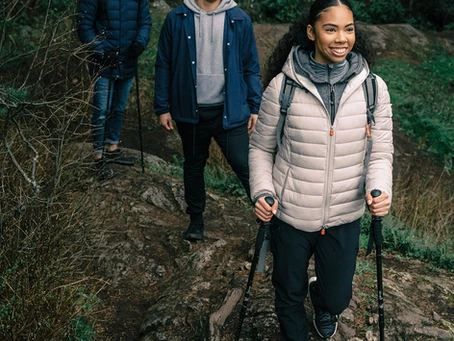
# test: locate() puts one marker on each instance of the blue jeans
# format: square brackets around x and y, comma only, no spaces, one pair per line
[109,104]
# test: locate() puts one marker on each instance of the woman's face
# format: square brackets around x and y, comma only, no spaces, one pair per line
[333,34]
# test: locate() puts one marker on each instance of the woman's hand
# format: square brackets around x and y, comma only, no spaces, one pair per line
[263,211]
[378,206]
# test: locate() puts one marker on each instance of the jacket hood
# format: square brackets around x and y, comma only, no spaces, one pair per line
[224,5]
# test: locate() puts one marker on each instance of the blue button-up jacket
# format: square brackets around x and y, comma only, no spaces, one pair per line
[176,68]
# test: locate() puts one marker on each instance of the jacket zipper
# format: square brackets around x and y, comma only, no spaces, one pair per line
[328,175]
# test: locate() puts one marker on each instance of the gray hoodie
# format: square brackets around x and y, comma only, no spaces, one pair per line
[209,31]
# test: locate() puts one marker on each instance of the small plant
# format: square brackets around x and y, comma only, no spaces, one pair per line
[364,267]
[82,330]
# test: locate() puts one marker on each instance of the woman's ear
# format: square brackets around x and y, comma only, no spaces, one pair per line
[310,32]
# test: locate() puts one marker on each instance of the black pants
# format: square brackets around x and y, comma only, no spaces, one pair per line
[196,139]
[335,261]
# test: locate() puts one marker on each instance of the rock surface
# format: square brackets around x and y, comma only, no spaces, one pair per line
[161,287]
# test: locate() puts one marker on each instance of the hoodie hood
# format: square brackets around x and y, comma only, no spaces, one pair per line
[223,6]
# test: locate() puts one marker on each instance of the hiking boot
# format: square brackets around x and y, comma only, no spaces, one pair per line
[195,229]
[117,156]
[324,323]
[102,170]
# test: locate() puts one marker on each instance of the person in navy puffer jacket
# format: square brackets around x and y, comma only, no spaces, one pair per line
[117,32]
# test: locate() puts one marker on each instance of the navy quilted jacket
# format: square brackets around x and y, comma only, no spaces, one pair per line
[113,25]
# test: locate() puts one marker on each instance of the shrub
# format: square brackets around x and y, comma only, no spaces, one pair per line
[379,11]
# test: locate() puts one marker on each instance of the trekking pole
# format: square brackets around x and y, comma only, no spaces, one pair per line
[140,121]
[261,235]
[376,236]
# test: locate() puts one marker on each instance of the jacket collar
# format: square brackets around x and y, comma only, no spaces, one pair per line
[353,84]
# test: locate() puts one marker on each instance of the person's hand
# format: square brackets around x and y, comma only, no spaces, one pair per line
[110,58]
[165,121]
[263,211]
[378,206]
[251,123]
[135,50]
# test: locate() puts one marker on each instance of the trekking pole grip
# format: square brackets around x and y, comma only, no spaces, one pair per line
[269,200]
[375,193]
[377,231]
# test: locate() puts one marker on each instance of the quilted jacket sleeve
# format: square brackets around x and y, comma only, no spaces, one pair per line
[86,19]
[379,174]
[263,143]
[143,24]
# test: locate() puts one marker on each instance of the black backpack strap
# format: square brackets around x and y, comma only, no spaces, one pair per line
[370,94]
[285,100]
[287,92]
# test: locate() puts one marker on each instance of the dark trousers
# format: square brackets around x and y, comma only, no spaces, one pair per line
[335,261]
[196,139]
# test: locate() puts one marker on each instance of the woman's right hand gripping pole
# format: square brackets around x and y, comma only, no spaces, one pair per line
[263,211]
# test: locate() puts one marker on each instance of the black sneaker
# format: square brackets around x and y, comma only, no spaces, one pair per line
[117,156]
[102,170]
[195,229]
[324,323]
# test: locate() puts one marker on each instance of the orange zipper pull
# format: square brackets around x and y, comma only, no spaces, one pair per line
[368,130]
[331,132]
[323,231]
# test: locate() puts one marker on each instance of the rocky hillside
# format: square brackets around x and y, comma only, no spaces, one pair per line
[160,287]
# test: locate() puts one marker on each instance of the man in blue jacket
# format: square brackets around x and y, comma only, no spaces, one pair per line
[208,81]
[117,32]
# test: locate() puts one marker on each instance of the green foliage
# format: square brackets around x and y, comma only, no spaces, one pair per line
[405,240]
[13,95]
[379,11]
[59,6]
[82,330]
[279,11]
[364,267]
[423,101]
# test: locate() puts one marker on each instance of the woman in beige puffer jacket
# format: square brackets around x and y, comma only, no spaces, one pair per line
[315,172]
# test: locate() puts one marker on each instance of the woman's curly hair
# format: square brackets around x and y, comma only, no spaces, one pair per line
[296,36]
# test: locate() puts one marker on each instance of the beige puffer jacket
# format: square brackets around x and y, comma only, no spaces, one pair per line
[317,178]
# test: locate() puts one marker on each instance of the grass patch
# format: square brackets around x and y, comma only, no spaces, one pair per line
[423,101]
[406,241]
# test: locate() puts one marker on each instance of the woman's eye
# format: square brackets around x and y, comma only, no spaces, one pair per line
[330,30]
